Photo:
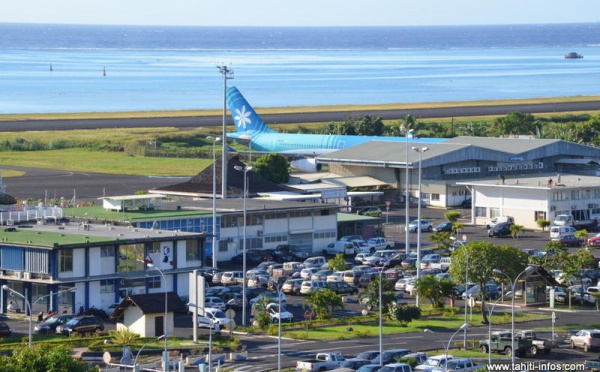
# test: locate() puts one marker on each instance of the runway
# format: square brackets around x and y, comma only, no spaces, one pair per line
[300,117]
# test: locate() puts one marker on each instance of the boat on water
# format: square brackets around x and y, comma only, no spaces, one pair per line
[573,55]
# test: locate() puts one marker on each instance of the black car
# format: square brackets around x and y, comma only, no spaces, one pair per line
[500,230]
[252,258]
[293,250]
[49,325]
[444,226]
[279,256]
[466,203]
[81,325]
[342,288]
[5,330]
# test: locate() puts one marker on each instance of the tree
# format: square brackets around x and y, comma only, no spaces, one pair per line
[442,239]
[542,223]
[370,126]
[338,263]
[515,230]
[370,296]
[42,358]
[404,314]
[273,167]
[514,123]
[124,336]
[436,290]
[452,216]
[324,302]
[483,258]
[261,312]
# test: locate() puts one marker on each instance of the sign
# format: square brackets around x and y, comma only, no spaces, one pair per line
[230,325]
[464,238]
[334,193]
[106,357]
[471,302]
[307,315]
[388,203]
[230,313]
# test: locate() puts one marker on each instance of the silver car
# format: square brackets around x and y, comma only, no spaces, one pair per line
[587,339]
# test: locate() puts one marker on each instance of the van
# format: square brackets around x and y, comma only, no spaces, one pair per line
[498,220]
[352,276]
[556,231]
[339,247]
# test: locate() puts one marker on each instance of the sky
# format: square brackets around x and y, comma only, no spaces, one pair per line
[300,13]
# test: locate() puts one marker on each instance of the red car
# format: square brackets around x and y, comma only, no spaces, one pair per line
[594,240]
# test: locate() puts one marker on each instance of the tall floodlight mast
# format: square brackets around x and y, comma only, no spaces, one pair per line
[227,74]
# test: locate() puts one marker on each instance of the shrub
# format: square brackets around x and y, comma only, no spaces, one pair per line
[452,216]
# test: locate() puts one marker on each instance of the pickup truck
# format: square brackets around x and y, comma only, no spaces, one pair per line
[537,344]
[378,244]
[592,365]
[322,362]
[500,342]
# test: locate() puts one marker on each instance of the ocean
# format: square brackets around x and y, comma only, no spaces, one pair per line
[77,68]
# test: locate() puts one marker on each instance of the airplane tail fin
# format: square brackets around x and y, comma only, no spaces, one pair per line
[245,118]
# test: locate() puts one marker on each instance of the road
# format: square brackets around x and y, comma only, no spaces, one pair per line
[300,117]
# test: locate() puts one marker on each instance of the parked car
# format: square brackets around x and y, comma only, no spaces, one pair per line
[594,240]
[275,314]
[321,274]
[273,296]
[258,280]
[211,317]
[264,254]
[308,286]
[500,230]
[444,226]
[370,211]
[252,258]
[337,276]
[49,325]
[81,325]
[232,277]
[423,224]
[292,286]
[466,203]
[568,240]
[214,302]
[587,339]
[308,272]
[342,288]
[5,330]
[293,250]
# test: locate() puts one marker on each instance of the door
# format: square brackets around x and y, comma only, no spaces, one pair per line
[159,326]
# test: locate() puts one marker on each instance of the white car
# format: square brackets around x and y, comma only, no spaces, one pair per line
[275,314]
[214,302]
[308,272]
[425,225]
[211,317]
[272,295]
[337,276]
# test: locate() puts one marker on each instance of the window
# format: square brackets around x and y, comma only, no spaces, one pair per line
[107,251]
[65,258]
[223,245]
[154,248]
[154,282]
[229,221]
[131,257]
[480,212]
[435,196]
[494,212]
[192,250]
[107,286]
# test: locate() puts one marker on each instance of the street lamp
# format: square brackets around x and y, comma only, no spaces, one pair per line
[165,352]
[210,332]
[142,348]
[490,312]
[227,74]
[214,201]
[407,134]
[13,292]
[381,311]
[513,283]
[447,346]
[279,288]
[420,151]
[462,245]
[244,169]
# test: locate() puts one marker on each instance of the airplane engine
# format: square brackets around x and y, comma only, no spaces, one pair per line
[306,165]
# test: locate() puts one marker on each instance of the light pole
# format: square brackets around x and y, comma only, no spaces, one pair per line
[165,352]
[490,312]
[420,151]
[279,288]
[407,134]
[447,346]
[210,332]
[12,291]
[462,245]
[513,283]
[214,141]
[245,170]
[142,348]
[227,74]
[381,311]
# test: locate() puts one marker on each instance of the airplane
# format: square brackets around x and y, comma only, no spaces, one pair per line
[262,139]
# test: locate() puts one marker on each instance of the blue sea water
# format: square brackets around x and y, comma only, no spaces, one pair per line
[60,68]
